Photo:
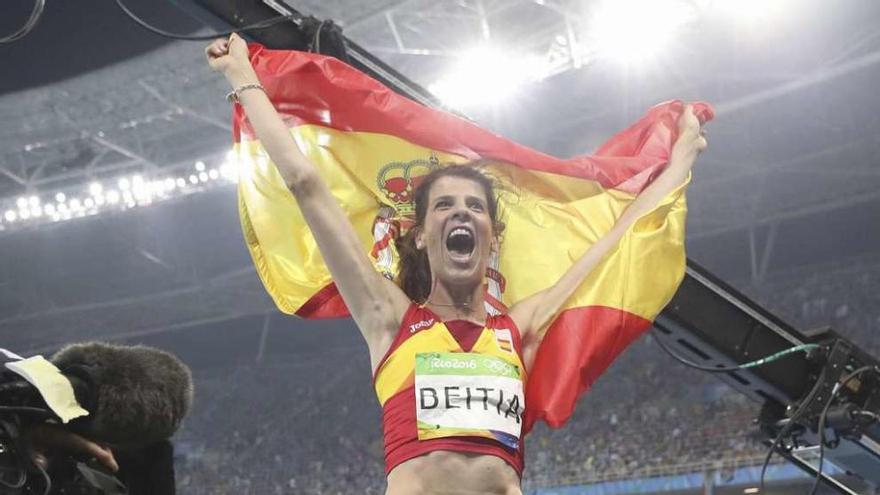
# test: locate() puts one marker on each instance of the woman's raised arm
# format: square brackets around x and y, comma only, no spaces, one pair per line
[376,304]
[534,312]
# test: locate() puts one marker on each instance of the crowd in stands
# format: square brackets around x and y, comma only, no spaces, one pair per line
[313,426]
[306,427]
[844,294]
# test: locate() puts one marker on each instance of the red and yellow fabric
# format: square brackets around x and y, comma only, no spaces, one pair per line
[371,145]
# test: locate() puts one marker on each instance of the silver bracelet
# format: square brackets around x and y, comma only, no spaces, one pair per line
[232,96]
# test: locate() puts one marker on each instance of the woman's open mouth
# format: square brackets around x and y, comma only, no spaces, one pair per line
[460,243]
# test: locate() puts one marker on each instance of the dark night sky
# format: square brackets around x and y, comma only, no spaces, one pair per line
[77,36]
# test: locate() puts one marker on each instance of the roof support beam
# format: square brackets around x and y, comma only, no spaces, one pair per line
[186,110]
[8,173]
[125,151]
[792,214]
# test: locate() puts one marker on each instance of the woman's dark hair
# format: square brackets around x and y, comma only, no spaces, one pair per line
[414,274]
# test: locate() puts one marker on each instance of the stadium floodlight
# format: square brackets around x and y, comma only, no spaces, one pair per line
[94,196]
[486,74]
[139,188]
[154,188]
[750,12]
[227,171]
[229,167]
[634,31]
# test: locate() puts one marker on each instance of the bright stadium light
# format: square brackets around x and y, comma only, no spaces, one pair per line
[487,75]
[137,183]
[750,12]
[133,190]
[634,31]
[229,167]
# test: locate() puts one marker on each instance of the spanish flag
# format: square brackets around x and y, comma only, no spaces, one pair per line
[372,145]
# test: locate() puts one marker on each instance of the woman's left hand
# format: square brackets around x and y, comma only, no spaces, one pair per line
[691,137]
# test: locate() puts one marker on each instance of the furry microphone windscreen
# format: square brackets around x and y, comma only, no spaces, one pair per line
[136,395]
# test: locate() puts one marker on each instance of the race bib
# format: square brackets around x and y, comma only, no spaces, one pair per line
[467,394]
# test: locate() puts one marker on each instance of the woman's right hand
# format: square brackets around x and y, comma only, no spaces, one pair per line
[228,54]
[46,440]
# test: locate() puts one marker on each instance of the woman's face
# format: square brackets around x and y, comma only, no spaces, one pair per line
[457,233]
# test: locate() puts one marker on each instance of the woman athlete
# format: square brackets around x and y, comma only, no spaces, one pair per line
[435,312]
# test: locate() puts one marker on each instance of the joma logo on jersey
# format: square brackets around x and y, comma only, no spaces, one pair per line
[421,325]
